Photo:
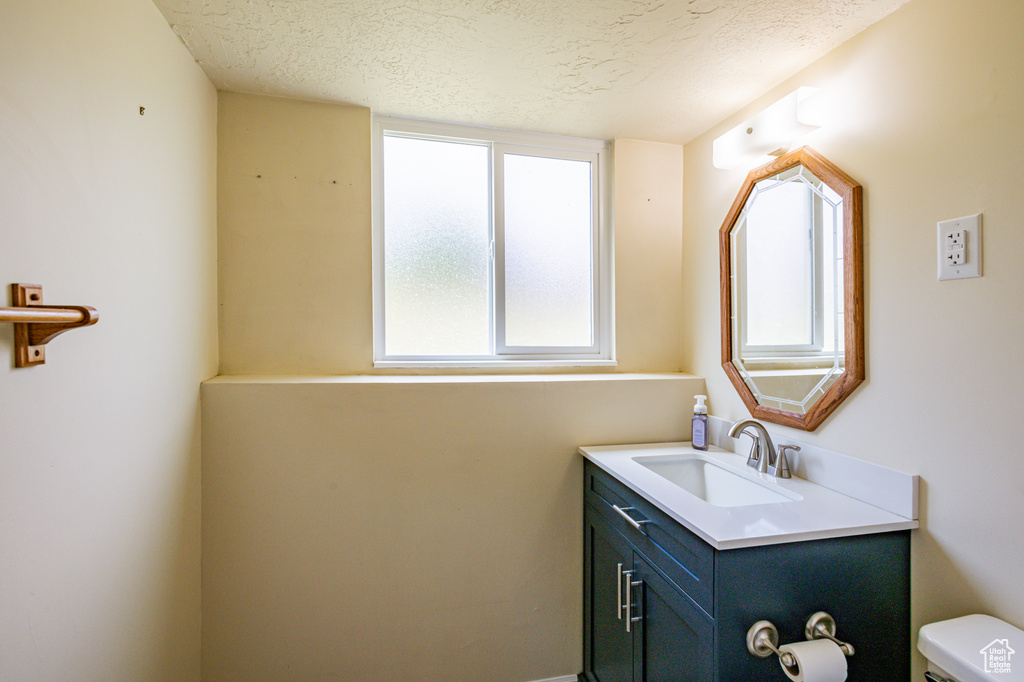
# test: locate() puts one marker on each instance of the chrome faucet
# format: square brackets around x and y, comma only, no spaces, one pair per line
[762,451]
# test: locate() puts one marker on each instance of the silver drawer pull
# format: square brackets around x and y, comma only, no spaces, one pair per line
[630,584]
[618,594]
[629,597]
[624,513]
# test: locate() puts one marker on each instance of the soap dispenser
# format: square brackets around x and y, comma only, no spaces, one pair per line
[699,436]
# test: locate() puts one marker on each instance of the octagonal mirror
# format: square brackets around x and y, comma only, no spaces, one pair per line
[792,290]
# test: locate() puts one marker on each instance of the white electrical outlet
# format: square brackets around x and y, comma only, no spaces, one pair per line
[956,252]
[960,247]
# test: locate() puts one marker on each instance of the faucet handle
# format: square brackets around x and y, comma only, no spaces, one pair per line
[781,468]
[754,458]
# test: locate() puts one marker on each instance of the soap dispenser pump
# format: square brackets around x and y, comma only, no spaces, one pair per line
[699,437]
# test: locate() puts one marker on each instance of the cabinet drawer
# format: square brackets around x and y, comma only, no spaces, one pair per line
[687,560]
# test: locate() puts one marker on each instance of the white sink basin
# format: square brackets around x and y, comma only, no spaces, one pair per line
[713,483]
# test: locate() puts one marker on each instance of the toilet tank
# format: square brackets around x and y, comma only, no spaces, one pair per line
[974,648]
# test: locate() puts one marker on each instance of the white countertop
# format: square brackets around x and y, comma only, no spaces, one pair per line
[818,512]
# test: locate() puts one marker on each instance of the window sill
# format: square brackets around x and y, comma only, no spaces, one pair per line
[352,379]
[490,365]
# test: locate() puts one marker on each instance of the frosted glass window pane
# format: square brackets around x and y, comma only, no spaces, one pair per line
[780,269]
[548,257]
[436,247]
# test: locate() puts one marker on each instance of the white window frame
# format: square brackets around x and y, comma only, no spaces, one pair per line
[500,142]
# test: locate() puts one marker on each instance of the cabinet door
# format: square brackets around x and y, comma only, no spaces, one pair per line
[608,648]
[675,640]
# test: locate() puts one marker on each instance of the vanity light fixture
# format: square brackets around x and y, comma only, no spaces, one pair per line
[770,133]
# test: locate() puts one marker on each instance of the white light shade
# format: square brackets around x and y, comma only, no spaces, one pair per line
[770,132]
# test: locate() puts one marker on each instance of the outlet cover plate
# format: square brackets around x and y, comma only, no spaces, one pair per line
[968,248]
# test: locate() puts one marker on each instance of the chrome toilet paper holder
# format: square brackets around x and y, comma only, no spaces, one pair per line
[763,637]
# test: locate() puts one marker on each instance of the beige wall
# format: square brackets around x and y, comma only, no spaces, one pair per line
[295,242]
[294,236]
[648,212]
[99,454]
[367,529]
[417,529]
[925,111]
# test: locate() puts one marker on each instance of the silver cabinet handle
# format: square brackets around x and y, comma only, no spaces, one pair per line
[628,575]
[623,512]
[630,584]
[618,594]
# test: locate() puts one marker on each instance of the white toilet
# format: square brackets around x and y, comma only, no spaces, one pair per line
[973,649]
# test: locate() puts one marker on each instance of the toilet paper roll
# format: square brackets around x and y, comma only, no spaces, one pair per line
[819,660]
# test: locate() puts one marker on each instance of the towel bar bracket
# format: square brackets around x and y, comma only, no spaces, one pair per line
[36,324]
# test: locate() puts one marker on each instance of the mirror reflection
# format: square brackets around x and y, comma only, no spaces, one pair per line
[792,290]
[787,243]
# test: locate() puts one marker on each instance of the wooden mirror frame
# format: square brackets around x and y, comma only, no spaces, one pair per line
[853,289]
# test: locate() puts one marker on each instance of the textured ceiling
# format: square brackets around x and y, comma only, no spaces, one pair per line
[647,69]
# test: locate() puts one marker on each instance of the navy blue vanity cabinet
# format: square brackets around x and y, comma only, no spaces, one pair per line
[669,638]
[689,605]
[646,595]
